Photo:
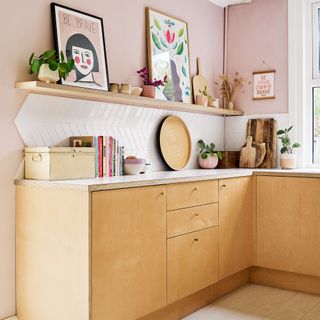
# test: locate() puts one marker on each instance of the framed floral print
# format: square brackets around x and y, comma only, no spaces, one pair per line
[168,55]
[264,85]
[81,36]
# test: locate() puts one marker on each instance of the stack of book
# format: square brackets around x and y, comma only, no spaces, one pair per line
[109,159]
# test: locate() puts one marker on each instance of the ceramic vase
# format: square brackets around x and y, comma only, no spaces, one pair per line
[288,161]
[202,100]
[210,163]
[148,91]
[47,75]
[230,105]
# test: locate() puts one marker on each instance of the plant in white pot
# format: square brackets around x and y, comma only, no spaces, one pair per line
[50,66]
[287,155]
[208,157]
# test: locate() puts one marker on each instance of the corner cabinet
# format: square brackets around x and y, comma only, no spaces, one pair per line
[288,224]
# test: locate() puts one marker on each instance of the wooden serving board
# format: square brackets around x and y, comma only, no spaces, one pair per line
[265,130]
[199,82]
[248,155]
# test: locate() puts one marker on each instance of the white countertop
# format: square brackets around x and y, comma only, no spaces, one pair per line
[164,177]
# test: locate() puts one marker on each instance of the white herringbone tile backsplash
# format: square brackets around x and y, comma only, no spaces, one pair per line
[50,121]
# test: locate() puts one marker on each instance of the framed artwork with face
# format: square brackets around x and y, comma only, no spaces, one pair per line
[81,36]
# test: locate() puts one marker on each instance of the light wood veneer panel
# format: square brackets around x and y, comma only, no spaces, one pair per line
[288,224]
[184,195]
[128,252]
[52,248]
[192,263]
[192,219]
[236,247]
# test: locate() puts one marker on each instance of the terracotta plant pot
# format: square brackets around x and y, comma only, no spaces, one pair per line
[210,163]
[202,100]
[148,91]
[288,161]
[47,75]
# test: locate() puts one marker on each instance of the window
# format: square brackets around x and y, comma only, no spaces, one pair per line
[315,84]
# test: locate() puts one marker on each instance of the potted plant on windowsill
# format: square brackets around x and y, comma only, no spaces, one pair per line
[208,157]
[149,86]
[287,155]
[50,66]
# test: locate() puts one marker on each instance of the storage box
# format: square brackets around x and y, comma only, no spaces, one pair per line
[59,163]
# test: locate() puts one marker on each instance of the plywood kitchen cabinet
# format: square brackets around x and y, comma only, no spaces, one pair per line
[288,224]
[128,252]
[236,216]
[192,263]
[90,256]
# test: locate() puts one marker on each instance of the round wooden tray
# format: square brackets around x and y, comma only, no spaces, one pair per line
[175,142]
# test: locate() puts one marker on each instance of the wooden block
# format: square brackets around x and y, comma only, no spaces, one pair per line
[230,159]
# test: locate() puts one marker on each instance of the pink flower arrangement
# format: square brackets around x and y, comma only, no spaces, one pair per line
[144,74]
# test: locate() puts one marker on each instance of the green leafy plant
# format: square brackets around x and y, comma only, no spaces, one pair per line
[207,150]
[204,92]
[287,147]
[55,61]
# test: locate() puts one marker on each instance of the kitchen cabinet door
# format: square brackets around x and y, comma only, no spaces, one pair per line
[288,224]
[128,252]
[235,225]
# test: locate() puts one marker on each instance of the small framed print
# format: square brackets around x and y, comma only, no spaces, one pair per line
[264,85]
[81,36]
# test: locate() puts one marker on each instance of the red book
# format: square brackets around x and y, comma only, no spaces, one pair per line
[100,157]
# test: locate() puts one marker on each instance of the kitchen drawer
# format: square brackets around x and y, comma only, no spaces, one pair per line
[184,195]
[191,219]
[192,263]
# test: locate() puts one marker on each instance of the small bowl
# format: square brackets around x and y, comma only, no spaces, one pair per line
[134,166]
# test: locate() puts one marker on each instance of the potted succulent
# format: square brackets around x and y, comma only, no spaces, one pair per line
[50,66]
[287,155]
[229,89]
[149,86]
[203,98]
[208,157]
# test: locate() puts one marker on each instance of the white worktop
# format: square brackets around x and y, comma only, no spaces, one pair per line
[164,177]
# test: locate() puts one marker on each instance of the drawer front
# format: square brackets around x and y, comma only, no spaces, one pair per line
[184,195]
[191,219]
[192,263]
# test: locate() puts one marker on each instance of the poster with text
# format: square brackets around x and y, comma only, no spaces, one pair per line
[80,36]
[263,85]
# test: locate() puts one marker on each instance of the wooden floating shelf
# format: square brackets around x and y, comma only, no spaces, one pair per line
[110,97]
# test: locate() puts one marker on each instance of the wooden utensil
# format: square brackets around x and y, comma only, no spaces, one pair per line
[265,130]
[199,82]
[260,153]
[247,155]
[175,142]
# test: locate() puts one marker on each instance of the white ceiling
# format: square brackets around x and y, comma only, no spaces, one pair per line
[225,3]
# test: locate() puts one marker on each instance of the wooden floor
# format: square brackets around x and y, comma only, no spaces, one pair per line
[254,302]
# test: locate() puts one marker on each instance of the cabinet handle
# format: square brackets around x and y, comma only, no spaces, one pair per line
[196,214]
[223,186]
[195,239]
[162,194]
[196,189]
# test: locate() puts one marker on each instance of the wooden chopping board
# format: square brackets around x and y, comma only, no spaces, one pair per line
[248,155]
[260,153]
[199,82]
[265,130]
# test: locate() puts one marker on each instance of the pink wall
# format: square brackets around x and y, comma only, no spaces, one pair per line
[259,32]
[25,26]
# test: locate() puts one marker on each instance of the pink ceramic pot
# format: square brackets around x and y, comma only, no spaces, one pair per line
[288,161]
[210,163]
[202,100]
[149,91]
